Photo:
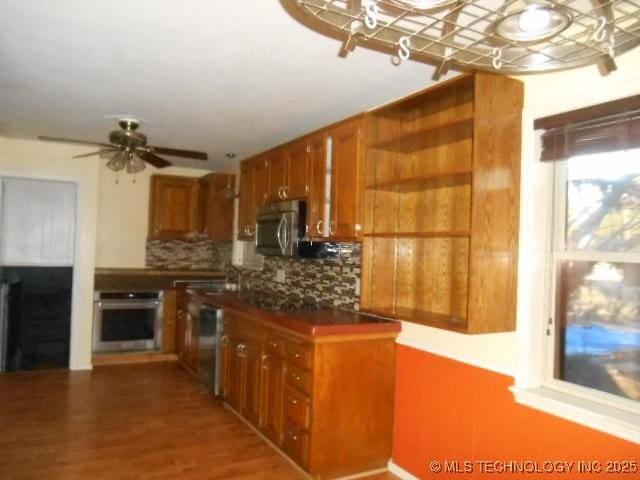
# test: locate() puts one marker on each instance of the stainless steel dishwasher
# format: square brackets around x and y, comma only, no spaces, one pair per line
[209,350]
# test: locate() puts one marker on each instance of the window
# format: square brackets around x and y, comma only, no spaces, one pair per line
[595,300]
[579,269]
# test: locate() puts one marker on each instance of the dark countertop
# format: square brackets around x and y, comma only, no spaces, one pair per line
[314,323]
[147,278]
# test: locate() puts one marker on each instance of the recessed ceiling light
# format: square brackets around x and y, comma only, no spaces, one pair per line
[533,24]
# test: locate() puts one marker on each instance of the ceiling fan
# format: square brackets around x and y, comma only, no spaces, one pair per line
[130,149]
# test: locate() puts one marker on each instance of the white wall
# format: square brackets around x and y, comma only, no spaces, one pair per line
[545,94]
[33,159]
[123,211]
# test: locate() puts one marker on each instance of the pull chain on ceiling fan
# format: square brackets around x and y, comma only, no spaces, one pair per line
[129,149]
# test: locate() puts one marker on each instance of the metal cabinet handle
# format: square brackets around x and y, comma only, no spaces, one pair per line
[292,400]
[273,344]
[297,378]
[224,340]
[319,227]
[285,189]
[332,224]
[292,435]
[296,355]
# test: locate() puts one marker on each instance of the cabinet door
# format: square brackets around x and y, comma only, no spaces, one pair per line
[169,314]
[346,183]
[317,201]
[273,376]
[217,210]
[252,379]
[260,183]
[181,329]
[233,392]
[174,207]
[245,203]
[297,185]
[278,175]
[194,341]
[225,360]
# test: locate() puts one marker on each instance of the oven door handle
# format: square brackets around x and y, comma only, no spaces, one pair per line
[137,305]
[283,222]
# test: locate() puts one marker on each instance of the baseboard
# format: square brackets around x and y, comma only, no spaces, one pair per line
[401,472]
[133,357]
[84,366]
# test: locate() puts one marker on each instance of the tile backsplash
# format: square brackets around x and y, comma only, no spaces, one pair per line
[198,254]
[333,283]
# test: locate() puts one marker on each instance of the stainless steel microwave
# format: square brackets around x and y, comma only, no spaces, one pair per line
[279,227]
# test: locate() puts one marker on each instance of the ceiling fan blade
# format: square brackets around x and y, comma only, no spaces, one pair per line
[181,153]
[152,158]
[102,151]
[77,142]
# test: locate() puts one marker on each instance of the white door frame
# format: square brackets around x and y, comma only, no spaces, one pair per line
[81,263]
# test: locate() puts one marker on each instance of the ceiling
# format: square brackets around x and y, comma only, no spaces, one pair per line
[218,76]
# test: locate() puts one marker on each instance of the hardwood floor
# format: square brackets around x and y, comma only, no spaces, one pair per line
[147,422]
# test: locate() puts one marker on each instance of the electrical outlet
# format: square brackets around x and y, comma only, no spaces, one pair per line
[280,277]
[357,285]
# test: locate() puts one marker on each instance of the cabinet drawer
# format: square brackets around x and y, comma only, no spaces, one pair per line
[297,407]
[300,355]
[298,378]
[275,345]
[295,443]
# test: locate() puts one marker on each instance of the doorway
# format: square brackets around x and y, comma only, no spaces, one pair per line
[38,221]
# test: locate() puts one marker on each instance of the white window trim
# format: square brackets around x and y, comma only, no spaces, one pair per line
[536,229]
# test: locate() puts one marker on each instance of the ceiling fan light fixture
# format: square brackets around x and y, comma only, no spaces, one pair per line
[117,162]
[535,23]
[134,164]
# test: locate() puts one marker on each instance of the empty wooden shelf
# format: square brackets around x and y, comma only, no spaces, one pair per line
[442,176]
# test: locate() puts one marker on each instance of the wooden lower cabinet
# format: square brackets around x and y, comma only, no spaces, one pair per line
[310,395]
[272,387]
[251,370]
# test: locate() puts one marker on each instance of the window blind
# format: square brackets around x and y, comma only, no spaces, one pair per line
[600,128]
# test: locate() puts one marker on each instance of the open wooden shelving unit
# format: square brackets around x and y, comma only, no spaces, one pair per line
[442,173]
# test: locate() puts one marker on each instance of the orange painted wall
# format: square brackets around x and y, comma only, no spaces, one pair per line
[447,410]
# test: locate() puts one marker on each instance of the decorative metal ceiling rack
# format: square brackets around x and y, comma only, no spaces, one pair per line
[510,36]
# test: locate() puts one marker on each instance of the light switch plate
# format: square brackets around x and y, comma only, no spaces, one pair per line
[280,277]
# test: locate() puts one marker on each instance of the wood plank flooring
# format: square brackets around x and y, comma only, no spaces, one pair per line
[147,422]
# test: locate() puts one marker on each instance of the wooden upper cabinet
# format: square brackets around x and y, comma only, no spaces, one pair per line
[174,207]
[245,204]
[216,209]
[346,182]
[278,173]
[254,183]
[288,172]
[298,156]
[260,186]
[317,202]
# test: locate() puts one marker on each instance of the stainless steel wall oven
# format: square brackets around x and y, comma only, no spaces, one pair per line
[125,321]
